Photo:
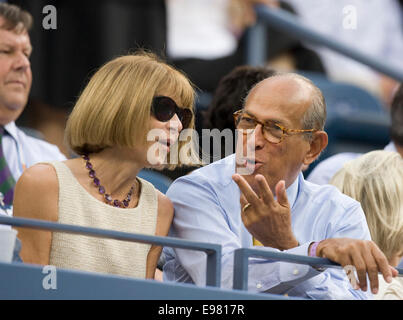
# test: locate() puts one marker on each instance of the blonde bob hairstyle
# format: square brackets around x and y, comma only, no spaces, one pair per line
[114,109]
[376,180]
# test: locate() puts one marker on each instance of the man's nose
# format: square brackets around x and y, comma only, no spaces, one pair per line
[21,62]
[259,139]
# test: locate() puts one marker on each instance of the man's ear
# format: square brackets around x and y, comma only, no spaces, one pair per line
[317,145]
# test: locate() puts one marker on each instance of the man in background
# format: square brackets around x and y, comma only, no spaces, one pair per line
[17,150]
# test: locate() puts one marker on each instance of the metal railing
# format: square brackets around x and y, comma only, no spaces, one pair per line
[289,23]
[73,280]
[213,251]
[241,263]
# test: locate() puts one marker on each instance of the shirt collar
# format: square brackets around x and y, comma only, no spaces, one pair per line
[292,190]
[12,129]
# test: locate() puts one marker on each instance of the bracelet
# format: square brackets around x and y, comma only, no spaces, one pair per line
[312,250]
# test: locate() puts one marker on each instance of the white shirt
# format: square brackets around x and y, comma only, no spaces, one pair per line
[22,151]
[326,169]
[390,291]
[199,29]
[371,26]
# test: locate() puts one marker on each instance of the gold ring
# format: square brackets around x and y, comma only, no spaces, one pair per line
[246,206]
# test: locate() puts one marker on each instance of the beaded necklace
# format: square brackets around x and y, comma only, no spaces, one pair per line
[107,197]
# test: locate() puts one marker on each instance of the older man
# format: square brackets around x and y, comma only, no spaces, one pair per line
[286,114]
[17,150]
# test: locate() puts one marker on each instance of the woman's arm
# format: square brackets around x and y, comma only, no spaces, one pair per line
[36,197]
[164,220]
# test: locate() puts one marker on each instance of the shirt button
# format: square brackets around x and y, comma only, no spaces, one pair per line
[295,272]
[259,285]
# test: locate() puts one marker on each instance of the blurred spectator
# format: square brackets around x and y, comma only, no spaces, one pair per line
[18,151]
[203,39]
[325,170]
[287,53]
[376,181]
[373,27]
[228,98]
[206,39]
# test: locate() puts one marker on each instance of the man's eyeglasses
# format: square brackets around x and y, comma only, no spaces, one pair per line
[272,131]
[164,108]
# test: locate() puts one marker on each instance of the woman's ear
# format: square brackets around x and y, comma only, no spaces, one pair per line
[317,145]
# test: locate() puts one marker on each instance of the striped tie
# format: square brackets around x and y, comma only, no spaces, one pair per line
[7,181]
[257,242]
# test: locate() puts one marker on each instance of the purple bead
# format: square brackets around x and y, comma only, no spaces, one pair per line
[88,165]
[116,203]
[86,158]
[126,203]
[101,190]
[108,197]
[96,182]
[92,173]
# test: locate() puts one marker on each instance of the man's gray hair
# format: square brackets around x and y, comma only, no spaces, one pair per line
[315,115]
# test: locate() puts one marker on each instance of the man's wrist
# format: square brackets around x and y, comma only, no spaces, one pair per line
[313,249]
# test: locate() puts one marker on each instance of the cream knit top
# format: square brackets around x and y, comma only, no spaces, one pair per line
[78,207]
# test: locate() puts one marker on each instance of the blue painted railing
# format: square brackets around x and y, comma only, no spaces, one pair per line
[289,23]
[242,255]
[213,251]
[26,281]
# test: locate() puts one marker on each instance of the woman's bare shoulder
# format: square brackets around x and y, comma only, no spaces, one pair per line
[36,193]
[165,206]
[40,175]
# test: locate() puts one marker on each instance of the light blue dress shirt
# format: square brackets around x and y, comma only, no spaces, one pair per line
[22,151]
[207,208]
[326,169]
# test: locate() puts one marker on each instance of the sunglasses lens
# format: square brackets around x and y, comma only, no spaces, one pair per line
[185,116]
[163,108]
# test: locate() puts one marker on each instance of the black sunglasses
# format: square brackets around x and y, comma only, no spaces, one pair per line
[164,108]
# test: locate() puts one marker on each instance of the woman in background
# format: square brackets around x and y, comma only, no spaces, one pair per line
[376,180]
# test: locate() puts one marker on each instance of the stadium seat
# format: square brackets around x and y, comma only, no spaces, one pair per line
[356,120]
[160,181]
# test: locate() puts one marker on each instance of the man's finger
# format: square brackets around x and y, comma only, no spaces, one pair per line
[246,189]
[361,269]
[282,194]
[372,270]
[383,264]
[265,192]
[246,216]
[243,200]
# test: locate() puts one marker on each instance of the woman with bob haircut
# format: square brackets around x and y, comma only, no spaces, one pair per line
[126,99]
[376,180]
